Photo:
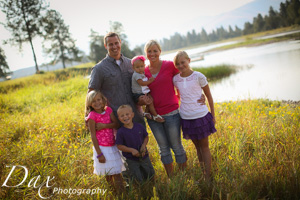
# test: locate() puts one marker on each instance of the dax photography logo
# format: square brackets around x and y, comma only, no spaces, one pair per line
[32,182]
[38,184]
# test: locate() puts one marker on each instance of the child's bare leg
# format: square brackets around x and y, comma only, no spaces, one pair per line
[110,181]
[199,153]
[205,156]
[156,117]
[152,110]
[147,113]
[118,183]
[144,100]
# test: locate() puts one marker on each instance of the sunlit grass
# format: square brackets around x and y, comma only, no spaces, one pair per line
[217,72]
[255,150]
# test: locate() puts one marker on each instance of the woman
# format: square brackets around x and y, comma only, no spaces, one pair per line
[167,134]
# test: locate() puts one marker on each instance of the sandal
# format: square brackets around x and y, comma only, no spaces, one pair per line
[158,118]
[147,115]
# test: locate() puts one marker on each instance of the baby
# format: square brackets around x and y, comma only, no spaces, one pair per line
[140,88]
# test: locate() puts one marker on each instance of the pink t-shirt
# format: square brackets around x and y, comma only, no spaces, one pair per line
[162,89]
[105,136]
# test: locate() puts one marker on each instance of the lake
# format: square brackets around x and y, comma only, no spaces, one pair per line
[269,71]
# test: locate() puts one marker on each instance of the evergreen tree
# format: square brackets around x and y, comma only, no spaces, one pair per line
[194,37]
[283,15]
[97,48]
[23,21]
[3,64]
[213,36]
[237,31]
[293,11]
[138,50]
[248,28]
[230,32]
[272,20]
[203,36]
[62,45]
[189,39]
[258,23]
[117,27]
[221,33]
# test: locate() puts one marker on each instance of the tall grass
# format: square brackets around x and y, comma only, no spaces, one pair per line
[255,150]
[217,72]
[46,78]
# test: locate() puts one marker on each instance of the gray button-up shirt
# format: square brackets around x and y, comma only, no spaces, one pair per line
[114,82]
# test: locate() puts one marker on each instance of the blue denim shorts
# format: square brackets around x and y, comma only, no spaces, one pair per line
[167,135]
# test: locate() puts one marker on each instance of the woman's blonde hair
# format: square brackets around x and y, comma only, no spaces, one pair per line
[179,54]
[149,44]
[89,99]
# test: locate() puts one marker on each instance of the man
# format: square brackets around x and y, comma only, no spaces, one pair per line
[112,76]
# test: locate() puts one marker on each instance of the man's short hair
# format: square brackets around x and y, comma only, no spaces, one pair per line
[110,34]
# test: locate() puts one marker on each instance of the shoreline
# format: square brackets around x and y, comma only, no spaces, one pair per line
[251,37]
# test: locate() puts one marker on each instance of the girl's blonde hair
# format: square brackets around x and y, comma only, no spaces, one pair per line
[179,54]
[89,99]
[149,44]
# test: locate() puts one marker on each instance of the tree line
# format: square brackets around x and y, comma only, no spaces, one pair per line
[27,19]
[288,15]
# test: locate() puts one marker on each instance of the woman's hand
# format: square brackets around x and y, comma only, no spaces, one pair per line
[102,159]
[201,100]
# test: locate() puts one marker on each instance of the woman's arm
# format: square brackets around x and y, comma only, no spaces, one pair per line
[210,100]
[92,125]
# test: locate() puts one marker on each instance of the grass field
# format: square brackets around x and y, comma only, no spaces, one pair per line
[255,150]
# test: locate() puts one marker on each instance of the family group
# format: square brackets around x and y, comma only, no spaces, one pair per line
[122,92]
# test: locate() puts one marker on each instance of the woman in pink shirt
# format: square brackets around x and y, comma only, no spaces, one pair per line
[167,134]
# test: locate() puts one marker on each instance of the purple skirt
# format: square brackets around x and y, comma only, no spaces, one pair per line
[197,129]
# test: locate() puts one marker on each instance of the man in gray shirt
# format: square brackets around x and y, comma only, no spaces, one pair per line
[112,76]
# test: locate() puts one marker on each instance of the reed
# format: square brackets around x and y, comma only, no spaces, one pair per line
[217,72]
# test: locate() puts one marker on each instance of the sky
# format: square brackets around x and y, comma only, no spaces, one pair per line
[141,20]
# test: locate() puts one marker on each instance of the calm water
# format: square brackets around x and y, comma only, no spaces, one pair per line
[269,71]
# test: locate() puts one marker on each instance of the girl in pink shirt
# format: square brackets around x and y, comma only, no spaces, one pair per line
[107,158]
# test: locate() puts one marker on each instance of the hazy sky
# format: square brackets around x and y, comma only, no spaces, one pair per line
[142,20]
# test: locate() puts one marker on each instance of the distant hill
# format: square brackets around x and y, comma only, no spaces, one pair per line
[237,17]
[31,70]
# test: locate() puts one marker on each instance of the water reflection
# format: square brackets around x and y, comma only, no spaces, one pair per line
[274,72]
